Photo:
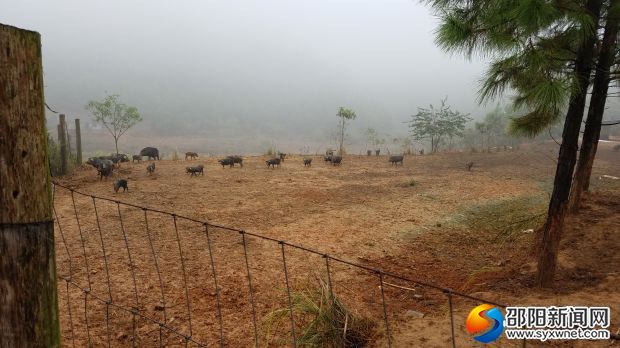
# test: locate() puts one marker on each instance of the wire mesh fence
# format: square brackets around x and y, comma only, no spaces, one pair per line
[134,276]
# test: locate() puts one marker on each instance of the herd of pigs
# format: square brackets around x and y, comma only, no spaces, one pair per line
[105,164]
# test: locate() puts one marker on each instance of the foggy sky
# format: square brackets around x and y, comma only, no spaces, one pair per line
[256,66]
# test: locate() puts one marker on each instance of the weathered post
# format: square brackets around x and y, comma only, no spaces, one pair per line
[59,164]
[28,295]
[62,140]
[78,142]
[68,141]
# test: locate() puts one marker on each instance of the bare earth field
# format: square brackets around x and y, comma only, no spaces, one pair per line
[429,220]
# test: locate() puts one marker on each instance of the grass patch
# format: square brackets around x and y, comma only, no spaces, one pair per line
[598,183]
[409,183]
[325,321]
[479,275]
[545,185]
[505,217]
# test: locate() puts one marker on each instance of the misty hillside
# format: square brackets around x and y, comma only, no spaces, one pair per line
[272,70]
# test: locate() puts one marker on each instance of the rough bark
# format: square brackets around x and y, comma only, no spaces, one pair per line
[567,157]
[600,86]
[28,297]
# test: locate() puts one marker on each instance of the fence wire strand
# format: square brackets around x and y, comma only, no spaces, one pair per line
[385,314]
[79,226]
[448,293]
[163,322]
[70,317]
[62,235]
[189,307]
[108,283]
[217,288]
[133,274]
[86,314]
[251,292]
[288,292]
[156,263]
[329,277]
[131,311]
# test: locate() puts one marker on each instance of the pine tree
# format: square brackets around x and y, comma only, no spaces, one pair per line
[544,52]
[600,86]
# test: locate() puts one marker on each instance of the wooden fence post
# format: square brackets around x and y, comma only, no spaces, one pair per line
[78,142]
[28,293]
[62,141]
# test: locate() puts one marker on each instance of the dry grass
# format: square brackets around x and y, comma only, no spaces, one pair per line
[327,322]
[409,183]
[505,217]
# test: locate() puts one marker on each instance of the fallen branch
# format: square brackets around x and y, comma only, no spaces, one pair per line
[398,286]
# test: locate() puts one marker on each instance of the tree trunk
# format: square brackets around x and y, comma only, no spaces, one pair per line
[341,135]
[552,232]
[116,144]
[78,142]
[600,87]
[28,292]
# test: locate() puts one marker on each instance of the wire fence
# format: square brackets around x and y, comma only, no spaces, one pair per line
[134,276]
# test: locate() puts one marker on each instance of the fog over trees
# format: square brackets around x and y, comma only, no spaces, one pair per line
[273,70]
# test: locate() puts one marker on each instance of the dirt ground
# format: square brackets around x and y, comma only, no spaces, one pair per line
[413,220]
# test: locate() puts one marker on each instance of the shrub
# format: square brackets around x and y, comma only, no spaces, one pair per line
[175,155]
[53,153]
[326,322]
